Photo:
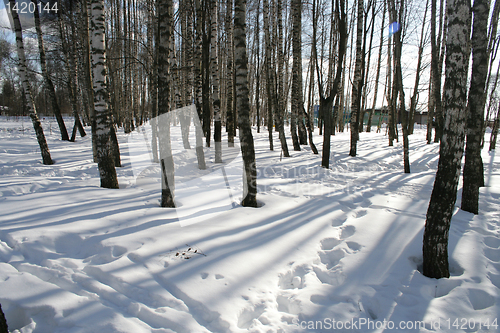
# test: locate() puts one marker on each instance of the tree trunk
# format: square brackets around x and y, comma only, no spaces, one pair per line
[87,69]
[214,69]
[278,99]
[377,75]
[270,74]
[390,95]
[397,15]
[165,27]
[257,68]
[42,142]
[102,117]
[326,102]
[494,130]
[230,127]
[153,85]
[436,73]
[243,106]
[3,323]
[205,69]
[444,193]
[414,97]
[297,101]
[473,163]
[493,44]
[198,83]
[358,81]
[366,64]
[71,70]
[49,86]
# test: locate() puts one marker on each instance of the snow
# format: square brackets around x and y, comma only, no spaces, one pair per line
[339,247]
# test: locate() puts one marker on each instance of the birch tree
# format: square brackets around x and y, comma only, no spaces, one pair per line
[326,99]
[42,142]
[297,101]
[165,30]
[396,14]
[357,83]
[494,130]
[414,97]
[102,115]
[473,163]
[269,74]
[243,106]
[444,192]
[230,119]
[377,75]
[281,97]
[214,69]
[49,86]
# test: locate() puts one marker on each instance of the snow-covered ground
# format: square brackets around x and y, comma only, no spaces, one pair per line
[328,250]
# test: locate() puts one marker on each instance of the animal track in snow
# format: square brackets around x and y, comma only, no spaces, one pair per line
[492,254]
[480,299]
[204,275]
[293,278]
[354,246]
[444,287]
[288,304]
[332,277]
[331,258]
[492,242]
[329,243]
[219,276]
[495,279]
[360,213]
[347,231]
[107,255]
[249,315]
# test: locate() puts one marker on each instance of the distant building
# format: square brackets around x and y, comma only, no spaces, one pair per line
[421,118]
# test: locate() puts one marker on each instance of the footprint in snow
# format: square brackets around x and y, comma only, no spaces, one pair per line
[288,304]
[293,278]
[492,254]
[360,213]
[329,243]
[134,257]
[331,258]
[333,277]
[251,314]
[480,299]
[204,275]
[495,279]
[444,287]
[347,231]
[354,246]
[107,255]
[492,242]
